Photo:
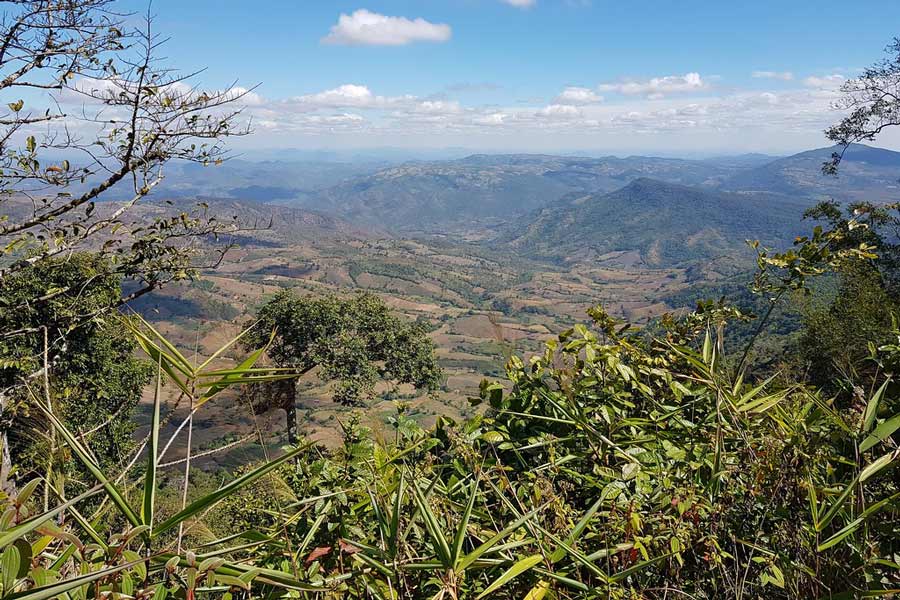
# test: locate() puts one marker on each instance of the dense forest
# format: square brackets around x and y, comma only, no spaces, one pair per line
[746,448]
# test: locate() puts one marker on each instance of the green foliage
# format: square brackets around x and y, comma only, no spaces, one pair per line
[95,372]
[132,552]
[356,342]
[617,463]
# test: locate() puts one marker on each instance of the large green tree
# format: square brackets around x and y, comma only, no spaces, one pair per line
[89,117]
[355,342]
[852,310]
[55,314]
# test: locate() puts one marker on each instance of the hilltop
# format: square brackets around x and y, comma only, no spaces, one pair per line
[665,224]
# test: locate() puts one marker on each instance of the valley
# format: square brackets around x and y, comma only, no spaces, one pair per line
[495,254]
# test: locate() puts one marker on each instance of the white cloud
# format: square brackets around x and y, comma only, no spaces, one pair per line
[366,28]
[494,118]
[826,82]
[347,95]
[653,117]
[578,96]
[438,107]
[658,86]
[780,75]
[559,111]
[520,3]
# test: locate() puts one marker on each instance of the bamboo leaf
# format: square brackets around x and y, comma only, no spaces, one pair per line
[244,480]
[442,548]
[517,569]
[87,460]
[58,589]
[464,524]
[881,433]
[148,506]
[872,406]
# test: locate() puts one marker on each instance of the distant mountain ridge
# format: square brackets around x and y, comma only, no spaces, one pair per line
[666,224]
[487,190]
[492,188]
[866,173]
[666,210]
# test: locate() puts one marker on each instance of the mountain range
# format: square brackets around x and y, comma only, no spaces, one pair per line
[668,211]
[659,224]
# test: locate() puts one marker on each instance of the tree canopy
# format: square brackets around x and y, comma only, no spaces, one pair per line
[355,342]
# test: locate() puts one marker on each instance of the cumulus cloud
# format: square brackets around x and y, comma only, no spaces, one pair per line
[657,87]
[724,115]
[520,3]
[438,107]
[366,28]
[826,82]
[559,111]
[578,96]
[780,75]
[347,95]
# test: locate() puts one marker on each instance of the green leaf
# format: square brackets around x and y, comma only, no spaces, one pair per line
[441,547]
[464,524]
[517,569]
[872,406]
[19,531]
[9,568]
[881,433]
[58,589]
[148,506]
[490,544]
[877,465]
[243,481]
[111,491]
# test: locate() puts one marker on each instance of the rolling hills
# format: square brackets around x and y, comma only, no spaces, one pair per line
[484,190]
[866,173]
[665,224]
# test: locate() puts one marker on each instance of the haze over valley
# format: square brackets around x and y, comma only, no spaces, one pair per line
[497,252]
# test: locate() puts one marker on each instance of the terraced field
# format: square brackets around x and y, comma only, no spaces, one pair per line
[481,307]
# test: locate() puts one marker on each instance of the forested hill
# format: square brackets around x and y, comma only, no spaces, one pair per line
[485,190]
[667,224]
[866,173]
[491,188]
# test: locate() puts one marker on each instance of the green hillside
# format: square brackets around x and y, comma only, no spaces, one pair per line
[667,224]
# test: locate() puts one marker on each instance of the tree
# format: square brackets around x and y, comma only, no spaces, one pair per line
[355,342]
[97,380]
[842,320]
[90,118]
[873,102]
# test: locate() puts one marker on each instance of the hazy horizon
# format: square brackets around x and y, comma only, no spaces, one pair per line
[535,76]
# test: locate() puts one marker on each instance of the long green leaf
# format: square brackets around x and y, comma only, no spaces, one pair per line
[559,553]
[491,543]
[872,406]
[58,589]
[149,504]
[87,460]
[856,523]
[517,569]
[441,547]
[460,537]
[244,480]
[877,465]
[229,344]
[881,433]
[22,529]
[179,360]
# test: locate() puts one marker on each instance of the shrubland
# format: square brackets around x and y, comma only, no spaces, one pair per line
[688,459]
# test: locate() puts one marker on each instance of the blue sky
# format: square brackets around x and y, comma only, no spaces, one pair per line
[591,75]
